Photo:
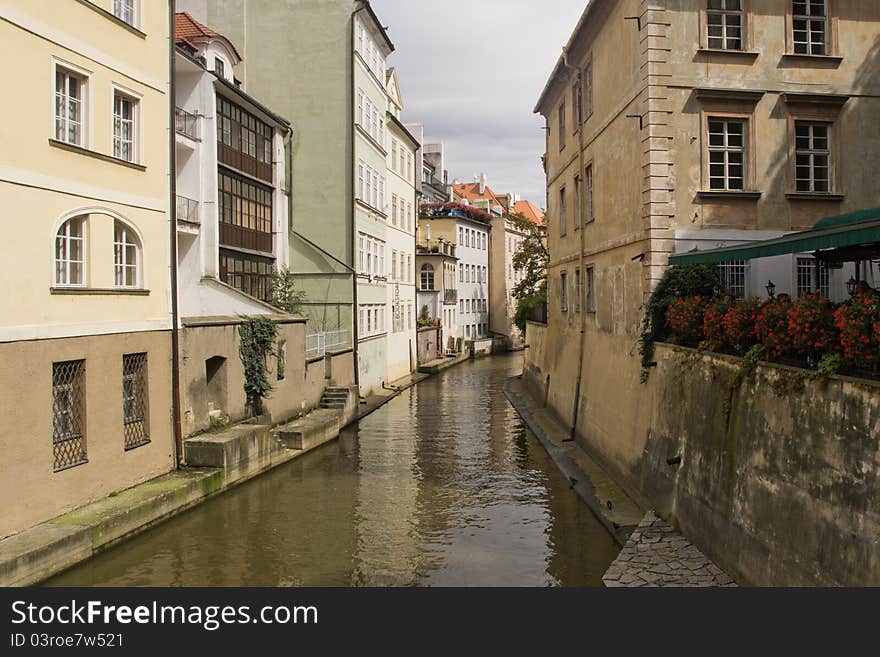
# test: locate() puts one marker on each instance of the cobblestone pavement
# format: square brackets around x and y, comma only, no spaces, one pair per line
[658,555]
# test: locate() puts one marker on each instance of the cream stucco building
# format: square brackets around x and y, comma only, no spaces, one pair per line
[85,336]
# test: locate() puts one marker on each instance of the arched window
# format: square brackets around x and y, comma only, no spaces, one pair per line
[70,253]
[427,277]
[126,256]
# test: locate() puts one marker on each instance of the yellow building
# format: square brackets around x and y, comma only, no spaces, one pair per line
[681,124]
[85,336]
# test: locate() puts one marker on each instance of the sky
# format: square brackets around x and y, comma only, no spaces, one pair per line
[471,71]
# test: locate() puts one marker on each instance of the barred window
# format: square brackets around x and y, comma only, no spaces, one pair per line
[126,254]
[813,155]
[806,278]
[250,274]
[245,214]
[135,406]
[810,27]
[734,278]
[724,22]
[70,253]
[727,154]
[68,414]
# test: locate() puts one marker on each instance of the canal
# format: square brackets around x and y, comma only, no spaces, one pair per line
[443,486]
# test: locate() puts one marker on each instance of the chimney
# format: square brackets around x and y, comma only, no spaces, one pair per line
[483,181]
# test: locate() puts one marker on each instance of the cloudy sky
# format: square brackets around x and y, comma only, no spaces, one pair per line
[471,71]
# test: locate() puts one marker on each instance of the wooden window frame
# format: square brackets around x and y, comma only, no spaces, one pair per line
[563,212]
[729,105]
[747,36]
[815,108]
[561,121]
[588,193]
[832,46]
[588,88]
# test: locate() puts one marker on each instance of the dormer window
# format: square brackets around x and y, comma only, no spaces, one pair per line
[219,68]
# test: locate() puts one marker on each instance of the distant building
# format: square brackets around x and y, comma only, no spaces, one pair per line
[437,296]
[433,183]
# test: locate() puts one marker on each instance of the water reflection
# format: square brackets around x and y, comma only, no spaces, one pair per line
[442,486]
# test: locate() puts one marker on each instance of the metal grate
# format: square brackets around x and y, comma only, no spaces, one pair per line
[134,400]
[68,414]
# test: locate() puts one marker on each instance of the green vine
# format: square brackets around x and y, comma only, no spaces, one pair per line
[747,367]
[257,341]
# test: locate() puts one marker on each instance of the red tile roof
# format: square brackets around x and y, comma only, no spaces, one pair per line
[187,28]
[530,211]
[470,192]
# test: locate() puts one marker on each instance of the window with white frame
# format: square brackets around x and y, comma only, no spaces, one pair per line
[70,253]
[371,186]
[126,10]
[371,256]
[588,194]
[126,256]
[70,106]
[806,278]
[735,278]
[725,21]
[589,291]
[124,127]
[563,292]
[813,157]
[809,23]
[727,154]
[370,118]
[371,320]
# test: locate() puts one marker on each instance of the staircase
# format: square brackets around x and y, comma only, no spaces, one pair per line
[335,398]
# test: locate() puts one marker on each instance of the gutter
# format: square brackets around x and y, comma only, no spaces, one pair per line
[355,328]
[177,429]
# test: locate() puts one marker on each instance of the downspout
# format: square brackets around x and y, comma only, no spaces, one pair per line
[175,311]
[353,215]
[581,229]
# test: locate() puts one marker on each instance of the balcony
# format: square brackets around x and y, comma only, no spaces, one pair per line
[450,296]
[188,211]
[187,124]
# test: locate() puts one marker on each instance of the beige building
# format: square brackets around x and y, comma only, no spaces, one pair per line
[85,336]
[676,124]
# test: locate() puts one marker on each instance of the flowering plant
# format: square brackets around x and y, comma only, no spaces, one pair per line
[453,208]
[686,319]
[739,324]
[713,321]
[859,324]
[771,327]
[811,324]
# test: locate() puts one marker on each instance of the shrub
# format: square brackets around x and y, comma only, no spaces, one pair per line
[811,324]
[713,321]
[771,327]
[739,324]
[686,319]
[859,324]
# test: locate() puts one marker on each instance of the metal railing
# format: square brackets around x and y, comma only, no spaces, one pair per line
[186,124]
[188,210]
[450,296]
[318,344]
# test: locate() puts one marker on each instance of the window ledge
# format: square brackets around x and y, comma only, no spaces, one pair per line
[831,59]
[744,54]
[814,196]
[719,193]
[370,138]
[369,207]
[113,18]
[63,145]
[100,291]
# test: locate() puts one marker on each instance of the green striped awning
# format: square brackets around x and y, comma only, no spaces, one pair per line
[856,229]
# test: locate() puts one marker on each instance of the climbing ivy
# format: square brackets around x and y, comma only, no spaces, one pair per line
[257,340]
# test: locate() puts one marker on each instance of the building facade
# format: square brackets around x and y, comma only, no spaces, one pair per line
[437,297]
[701,124]
[401,148]
[85,339]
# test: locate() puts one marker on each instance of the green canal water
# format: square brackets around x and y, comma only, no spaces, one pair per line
[443,486]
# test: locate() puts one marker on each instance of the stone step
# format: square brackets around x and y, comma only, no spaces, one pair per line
[334,405]
[314,429]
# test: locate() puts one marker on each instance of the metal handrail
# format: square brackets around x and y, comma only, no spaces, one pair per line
[188,210]
[186,124]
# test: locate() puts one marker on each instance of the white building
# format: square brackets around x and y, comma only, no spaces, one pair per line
[401,172]
[472,249]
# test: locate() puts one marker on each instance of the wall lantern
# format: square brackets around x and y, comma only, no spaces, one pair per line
[771,289]
[851,285]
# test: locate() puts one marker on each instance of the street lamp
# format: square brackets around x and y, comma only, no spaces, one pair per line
[851,286]
[771,289]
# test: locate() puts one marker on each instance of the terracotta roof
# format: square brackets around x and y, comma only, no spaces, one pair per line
[187,28]
[530,211]
[470,192]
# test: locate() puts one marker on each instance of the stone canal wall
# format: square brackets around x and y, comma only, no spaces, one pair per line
[774,475]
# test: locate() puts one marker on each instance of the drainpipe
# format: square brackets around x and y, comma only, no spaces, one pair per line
[175,311]
[353,213]
[581,230]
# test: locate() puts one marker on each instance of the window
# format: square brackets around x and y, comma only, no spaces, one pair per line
[727,154]
[124,127]
[427,278]
[126,256]
[249,274]
[244,141]
[371,256]
[281,360]
[577,106]
[409,269]
[461,306]
[734,278]
[577,202]
[219,68]
[563,213]
[245,213]
[69,107]
[577,289]
[590,290]
[562,125]
[806,277]
[588,193]
[813,157]
[588,88]
[724,22]
[370,119]
[124,10]
[371,187]
[68,414]
[809,22]
[136,429]
[563,292]
[70,253]
[375,324]
[461,273]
